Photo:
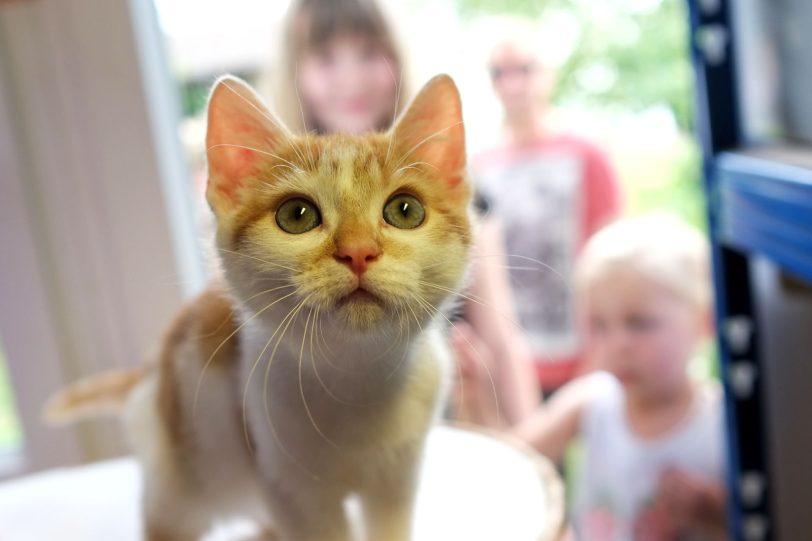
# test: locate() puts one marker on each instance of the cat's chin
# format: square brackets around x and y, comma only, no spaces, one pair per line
[361,310]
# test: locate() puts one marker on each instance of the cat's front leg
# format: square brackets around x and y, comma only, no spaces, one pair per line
[389,501]
[309,511]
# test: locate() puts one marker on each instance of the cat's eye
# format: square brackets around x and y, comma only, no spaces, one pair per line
[404,211]
[297,216]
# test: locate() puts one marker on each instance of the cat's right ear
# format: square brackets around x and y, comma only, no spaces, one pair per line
[431,130]
[241,132]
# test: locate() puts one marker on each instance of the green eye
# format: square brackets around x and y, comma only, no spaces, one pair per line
[297,216]
[404,211]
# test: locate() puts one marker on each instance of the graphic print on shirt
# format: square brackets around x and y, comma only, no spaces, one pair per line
[538,200]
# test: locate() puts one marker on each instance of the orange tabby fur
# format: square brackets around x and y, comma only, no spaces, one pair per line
[236,417]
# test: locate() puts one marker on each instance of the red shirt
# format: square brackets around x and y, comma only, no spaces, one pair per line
[550,196]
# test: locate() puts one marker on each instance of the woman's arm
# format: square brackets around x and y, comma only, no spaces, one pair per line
[492,316]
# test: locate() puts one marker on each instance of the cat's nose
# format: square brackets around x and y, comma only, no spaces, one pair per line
[358,255]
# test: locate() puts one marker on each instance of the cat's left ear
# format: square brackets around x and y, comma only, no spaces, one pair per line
[431,130]
[241,132]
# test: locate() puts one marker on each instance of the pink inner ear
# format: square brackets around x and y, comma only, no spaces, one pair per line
[431,131]
[244,160]
[446,157]
[240,133]
[230,165]
[230,168]
[242,164]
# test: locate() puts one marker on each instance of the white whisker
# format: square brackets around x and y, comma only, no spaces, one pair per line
[293,167]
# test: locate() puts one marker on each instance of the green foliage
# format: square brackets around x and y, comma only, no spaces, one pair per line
[641,47]
[630,56]
[194,96]
[10,433]
[681,194]
[523,7]
[194,93]
[651,64]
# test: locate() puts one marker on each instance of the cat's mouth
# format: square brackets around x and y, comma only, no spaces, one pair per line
[359,296]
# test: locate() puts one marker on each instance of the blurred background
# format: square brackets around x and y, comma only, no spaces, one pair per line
[101,163]
[624,83]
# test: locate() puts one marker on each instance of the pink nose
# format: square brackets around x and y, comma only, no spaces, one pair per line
[357,255]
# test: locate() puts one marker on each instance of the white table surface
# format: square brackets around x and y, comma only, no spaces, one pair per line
[473,487]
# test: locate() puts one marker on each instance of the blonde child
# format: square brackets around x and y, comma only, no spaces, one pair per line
[652,436]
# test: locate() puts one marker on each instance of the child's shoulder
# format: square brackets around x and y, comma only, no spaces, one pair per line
[709,390]
[599,382]
[602,386]
[596,394]
[604,395]
[601,415]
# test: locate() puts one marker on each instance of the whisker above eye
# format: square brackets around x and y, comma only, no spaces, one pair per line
[398,85]
[259,110]
[426,140]
[290,164]
[413,166]
[301,112]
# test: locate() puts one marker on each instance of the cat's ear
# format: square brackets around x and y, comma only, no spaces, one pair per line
[241,133]
[431,130]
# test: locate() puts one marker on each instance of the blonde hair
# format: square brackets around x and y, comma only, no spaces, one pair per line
[656,246]
[312,23]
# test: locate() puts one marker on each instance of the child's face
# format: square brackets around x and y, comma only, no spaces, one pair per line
[641,331]
[348,85]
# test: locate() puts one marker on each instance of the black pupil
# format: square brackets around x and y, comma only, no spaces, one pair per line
[299,212]
[404,208]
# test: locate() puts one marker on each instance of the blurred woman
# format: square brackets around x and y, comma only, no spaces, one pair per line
[352,76]
[348,66]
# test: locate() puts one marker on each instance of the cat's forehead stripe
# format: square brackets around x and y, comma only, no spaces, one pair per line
[354,167]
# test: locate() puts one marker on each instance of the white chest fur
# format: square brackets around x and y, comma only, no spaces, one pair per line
[332,410]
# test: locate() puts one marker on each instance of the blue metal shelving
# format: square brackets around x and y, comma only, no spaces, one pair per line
[765,206]
[759,205]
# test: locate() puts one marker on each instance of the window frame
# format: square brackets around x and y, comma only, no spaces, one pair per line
[98,230]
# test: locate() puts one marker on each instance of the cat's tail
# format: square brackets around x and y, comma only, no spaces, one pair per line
[97,395]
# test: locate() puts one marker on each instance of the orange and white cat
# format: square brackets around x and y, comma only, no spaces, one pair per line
[314,370]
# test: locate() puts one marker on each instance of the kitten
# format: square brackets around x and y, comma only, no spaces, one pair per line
[315,370]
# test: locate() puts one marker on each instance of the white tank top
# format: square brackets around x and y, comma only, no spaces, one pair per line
[619,472]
